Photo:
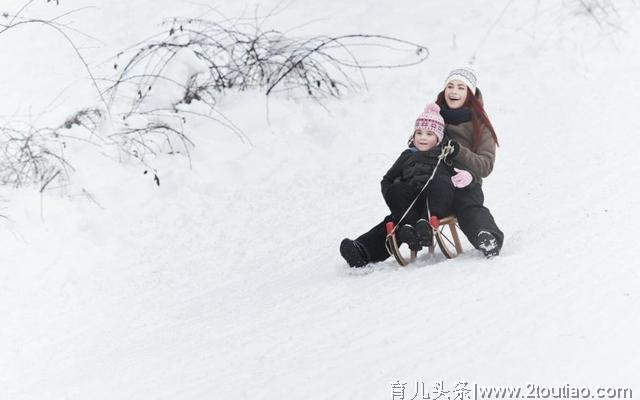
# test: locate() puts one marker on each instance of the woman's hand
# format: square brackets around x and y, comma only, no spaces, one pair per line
[454,149]
[462,178]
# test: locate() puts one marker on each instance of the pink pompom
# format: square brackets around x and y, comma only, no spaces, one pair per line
[432,108]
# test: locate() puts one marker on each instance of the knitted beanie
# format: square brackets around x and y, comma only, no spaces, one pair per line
[466,75]
[431,120]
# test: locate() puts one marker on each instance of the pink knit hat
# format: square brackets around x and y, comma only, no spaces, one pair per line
[431,120]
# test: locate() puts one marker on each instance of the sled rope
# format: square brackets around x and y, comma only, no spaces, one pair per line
[444,153]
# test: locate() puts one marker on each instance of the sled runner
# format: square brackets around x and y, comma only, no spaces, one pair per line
[445,235]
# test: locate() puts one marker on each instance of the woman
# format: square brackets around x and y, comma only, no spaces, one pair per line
[474,141]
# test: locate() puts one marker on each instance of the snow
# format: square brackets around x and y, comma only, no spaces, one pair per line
[225,280]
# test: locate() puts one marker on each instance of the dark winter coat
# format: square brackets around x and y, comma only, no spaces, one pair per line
[479,163]
[414,167]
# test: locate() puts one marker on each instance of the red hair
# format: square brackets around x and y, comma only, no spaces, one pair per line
[479,117]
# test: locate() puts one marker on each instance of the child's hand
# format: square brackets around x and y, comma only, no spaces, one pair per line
[462,178]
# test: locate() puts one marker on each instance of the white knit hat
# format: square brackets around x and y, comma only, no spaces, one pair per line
[464,74]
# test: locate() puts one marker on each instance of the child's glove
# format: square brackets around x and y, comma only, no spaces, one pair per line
[462,178]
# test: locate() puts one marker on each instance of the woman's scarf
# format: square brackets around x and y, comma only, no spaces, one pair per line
[455,116]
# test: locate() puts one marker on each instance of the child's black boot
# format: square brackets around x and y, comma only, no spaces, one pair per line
[407,234]
[424,232]
[354,253]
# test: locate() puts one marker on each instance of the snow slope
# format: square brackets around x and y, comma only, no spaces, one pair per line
[225,281]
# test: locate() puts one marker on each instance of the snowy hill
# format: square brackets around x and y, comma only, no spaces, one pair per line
[225,280]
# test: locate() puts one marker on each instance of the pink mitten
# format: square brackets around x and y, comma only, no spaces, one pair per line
[462,178]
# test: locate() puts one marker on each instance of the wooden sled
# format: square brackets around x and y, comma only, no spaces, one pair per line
[446,236]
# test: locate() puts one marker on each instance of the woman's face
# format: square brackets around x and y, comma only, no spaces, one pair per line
[455,94]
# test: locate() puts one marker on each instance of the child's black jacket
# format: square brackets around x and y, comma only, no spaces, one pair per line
[414,167]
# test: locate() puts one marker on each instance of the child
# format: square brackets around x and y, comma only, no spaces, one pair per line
[411,171]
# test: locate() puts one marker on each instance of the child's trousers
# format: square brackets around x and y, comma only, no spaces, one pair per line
[399,196]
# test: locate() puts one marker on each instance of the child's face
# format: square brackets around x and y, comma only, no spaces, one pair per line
[424,140]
